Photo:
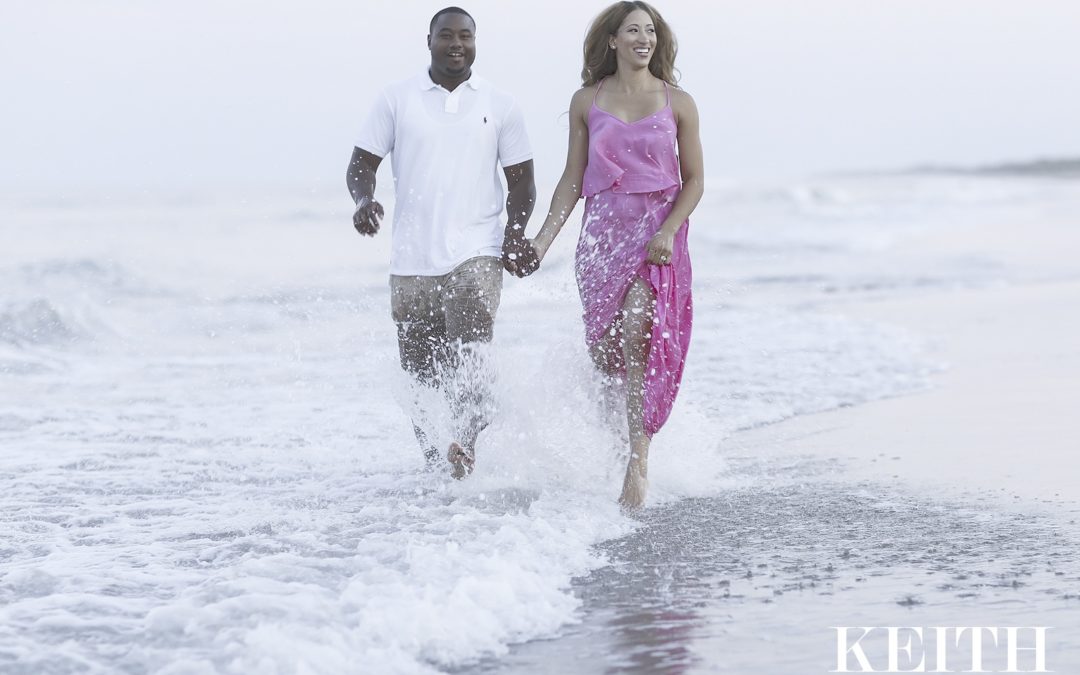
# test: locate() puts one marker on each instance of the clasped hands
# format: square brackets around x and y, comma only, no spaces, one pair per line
[519,256]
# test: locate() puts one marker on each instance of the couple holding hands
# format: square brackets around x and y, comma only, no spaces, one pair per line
[635,156]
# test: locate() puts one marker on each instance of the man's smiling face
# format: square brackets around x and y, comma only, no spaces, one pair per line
[453,45]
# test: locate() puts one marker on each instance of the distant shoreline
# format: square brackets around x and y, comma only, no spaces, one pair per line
[1063,168]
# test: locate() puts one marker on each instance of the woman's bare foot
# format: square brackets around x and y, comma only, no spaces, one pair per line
[462,460]
[635,485]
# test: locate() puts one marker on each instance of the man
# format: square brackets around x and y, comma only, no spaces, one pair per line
[448,131]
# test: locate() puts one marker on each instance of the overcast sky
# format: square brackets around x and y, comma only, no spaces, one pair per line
[201,92]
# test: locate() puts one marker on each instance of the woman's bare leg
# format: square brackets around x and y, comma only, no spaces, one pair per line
[607,357]
[637,321]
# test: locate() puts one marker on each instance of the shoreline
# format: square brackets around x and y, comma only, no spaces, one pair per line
[999,418]
[955,531]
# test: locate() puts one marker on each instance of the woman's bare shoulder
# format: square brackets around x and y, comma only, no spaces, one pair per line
[682,103]
[581,100]
[681,97]
[584,95]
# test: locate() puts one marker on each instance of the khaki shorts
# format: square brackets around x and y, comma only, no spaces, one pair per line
[435,313]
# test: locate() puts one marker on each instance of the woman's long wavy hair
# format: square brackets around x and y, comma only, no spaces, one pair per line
[600,58]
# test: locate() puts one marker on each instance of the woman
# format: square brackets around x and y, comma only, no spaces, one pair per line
[632,264]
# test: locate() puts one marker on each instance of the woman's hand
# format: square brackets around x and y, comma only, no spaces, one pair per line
[540,249]
[660,248]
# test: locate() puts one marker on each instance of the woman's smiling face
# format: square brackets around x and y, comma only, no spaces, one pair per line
[635,41]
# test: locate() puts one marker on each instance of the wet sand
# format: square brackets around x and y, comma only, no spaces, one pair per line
[752,582]
[1001,417]
[957,506]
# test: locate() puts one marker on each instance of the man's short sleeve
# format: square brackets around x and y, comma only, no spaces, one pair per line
[377,134]
[514,147]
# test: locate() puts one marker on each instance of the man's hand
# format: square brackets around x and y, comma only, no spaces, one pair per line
[367,216]
[519,256]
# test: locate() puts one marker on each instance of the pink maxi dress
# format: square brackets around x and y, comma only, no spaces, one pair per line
[631,181]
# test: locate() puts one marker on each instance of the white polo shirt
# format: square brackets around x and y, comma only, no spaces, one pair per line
[447,147]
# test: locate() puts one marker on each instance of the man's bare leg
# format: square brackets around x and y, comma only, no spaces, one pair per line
[421,334]
[417,360]
[431,452]
[473,292]
[637,320]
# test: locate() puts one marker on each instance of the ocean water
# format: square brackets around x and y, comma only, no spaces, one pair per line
[207,468]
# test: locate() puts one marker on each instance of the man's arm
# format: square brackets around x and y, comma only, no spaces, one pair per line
[361,181]
[519,257]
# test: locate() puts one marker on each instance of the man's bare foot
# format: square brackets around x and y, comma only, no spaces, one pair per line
[635,486]
[461,460]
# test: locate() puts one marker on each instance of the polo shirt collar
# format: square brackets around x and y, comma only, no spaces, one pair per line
[427,83]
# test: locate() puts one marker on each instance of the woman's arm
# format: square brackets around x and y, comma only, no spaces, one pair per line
[692,169]
[691,162]
[568,191]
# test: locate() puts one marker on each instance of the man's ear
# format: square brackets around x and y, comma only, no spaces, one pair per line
[429,41]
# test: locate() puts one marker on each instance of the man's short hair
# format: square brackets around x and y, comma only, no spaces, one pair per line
[449,10]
